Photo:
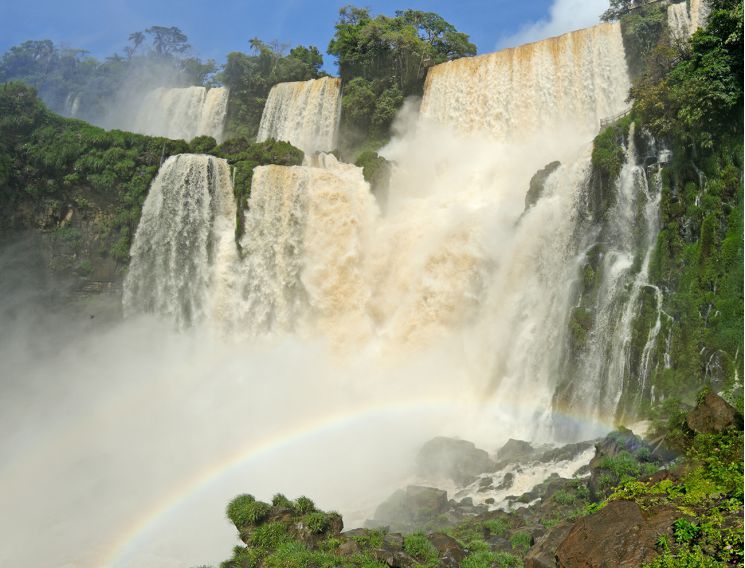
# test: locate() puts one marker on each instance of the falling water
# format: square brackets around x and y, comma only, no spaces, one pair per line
[304,113]
[683,20]
[184,251]
[566,83]
[182,113]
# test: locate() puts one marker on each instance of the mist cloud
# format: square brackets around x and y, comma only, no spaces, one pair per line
[564,16]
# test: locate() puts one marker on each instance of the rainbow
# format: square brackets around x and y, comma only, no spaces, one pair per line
[136,531]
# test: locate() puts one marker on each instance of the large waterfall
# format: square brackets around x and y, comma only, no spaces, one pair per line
[184,250]
[454,257]
[567,83]
[182,113]
[304,113]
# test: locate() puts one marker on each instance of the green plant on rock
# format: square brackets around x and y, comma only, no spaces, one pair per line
[245,511]
[317,522]
[521,541]
[304,505]
[419,546]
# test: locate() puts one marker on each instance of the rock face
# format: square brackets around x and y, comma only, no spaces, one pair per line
[449,458]
[515,450]
[713,415]
[543,553]
[414,507]
[619,536]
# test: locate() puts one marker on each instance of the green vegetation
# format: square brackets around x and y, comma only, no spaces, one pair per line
[418,546]
[59,73]
[521,541]
[86,186]
[244,510]
[251,77]
[486,559]
[382,60]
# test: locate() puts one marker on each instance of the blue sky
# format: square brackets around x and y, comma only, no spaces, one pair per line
[221,26]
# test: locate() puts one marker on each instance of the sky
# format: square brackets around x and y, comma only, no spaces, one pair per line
[218,27]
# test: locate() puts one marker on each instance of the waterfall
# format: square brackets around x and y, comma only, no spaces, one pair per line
[304,113]
[303,247]
[72,105]
[182,113]
[566,83]
[184,252]
[455,258]
[683,20]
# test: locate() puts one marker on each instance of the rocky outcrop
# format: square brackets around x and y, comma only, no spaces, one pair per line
[543,553]
[713,415]
[449,458]
[618,536]
[410,509]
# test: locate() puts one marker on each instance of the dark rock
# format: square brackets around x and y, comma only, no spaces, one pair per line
[538,184]
[507,481]
[515,450]
[348,548]
[451,553]
[489,501]
[618,536]
[458,460]
[407,510]
[543,553]
[467,501]
[713,415]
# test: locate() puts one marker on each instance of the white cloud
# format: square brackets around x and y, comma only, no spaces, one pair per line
[564,16]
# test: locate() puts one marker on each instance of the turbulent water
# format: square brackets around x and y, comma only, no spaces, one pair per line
[304,113]
[570,82]
[184,242]
[182,113]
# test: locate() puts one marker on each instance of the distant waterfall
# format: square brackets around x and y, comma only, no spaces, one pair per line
[305,113]
[182,113]
[570,82]
[184,251]
[683,20]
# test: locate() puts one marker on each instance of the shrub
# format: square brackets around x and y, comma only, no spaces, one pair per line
[317,522]
[496,527]
[244,511]
[280,500]
[304,505]
[418,546]
[521,541]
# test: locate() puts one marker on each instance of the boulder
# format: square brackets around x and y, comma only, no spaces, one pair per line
[618,536]
[543,553]
[410,509]
[454,459]
[515,450]
[713,415]
[451,553]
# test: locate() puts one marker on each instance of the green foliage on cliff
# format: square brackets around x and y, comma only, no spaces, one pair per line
[156,56]
[384,59]
[63,175]
[50,166]
[689,97]
[251,77]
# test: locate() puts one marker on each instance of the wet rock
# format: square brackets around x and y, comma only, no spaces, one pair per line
[515,450]
[348,548]
[451,553]
[449,458]
[713,415]
[543,553]
[507,481]
[412,508]
[538,184]
[618,536]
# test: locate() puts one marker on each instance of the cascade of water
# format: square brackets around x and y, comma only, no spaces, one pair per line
[678,21]
[182,113]
[570,82]
[303,248]
[304,113]
[183,251]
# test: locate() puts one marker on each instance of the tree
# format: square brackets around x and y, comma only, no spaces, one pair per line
[168,41]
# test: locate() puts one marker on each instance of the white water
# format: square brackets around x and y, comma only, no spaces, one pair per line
[182,113]
[563,84]
[683,20]
[184,243]
[304,113]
